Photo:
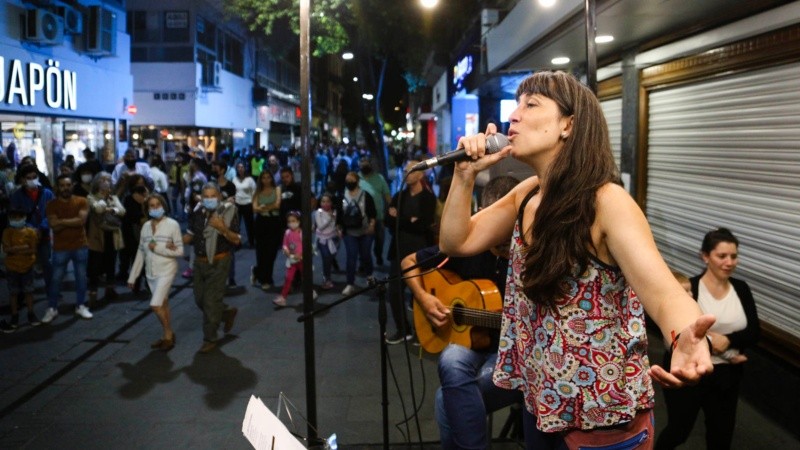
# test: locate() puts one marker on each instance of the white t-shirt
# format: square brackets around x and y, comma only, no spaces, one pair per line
[728,310]
[245,189]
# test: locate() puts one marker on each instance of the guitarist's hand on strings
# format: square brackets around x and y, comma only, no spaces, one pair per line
[435,311]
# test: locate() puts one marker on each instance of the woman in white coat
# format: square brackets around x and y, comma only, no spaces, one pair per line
[160,246]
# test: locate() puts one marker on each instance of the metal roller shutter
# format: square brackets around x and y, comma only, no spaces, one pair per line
[726,152]
[612,109]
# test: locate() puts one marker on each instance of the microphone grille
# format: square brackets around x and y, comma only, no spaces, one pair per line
[496,142]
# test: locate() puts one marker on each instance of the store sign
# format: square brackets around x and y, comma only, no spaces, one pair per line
[461,70]
[24,83]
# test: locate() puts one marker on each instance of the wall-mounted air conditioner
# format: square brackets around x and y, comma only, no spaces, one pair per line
[43,27]
[215,80]
[101,32]
[73,20]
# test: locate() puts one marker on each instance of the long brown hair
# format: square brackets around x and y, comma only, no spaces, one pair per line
[562,230]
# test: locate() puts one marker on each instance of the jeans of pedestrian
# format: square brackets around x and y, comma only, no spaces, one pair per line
[467,395]
[380,236]
[358,247]
[327,260]
[80,259]
[209,292]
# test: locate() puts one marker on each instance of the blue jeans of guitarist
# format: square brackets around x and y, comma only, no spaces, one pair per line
[467,394]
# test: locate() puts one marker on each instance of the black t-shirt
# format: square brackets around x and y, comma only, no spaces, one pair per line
[228,191]
[291,196]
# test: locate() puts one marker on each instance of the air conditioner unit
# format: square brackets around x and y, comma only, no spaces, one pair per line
[73,20]
[101,32]
[43,27]
[215,80]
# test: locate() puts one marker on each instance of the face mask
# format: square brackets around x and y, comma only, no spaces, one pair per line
[32,184]
[156,213]
[131,164]
[86,178]
[210,203]
[16,223]
[351,185]
[294,225]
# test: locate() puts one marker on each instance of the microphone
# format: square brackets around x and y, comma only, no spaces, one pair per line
[494,144]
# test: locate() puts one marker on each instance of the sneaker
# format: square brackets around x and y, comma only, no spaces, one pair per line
[83,311]
[349,290]
[253,281]
[49,315]
[33,320]
[279,301]
[188,273]
[398,338]
[265,286]
[327,285]
[207,347]
[7,328]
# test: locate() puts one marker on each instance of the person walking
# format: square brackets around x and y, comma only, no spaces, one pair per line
[358,228]
[214,232]
[160,246]
[327,229]
[67,215]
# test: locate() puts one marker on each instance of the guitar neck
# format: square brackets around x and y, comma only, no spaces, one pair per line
[477,317]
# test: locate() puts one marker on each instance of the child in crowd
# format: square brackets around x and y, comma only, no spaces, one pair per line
[328,236]
[19,244]
[732,355]
[293,250]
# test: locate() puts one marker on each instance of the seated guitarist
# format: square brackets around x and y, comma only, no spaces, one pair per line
[467,393]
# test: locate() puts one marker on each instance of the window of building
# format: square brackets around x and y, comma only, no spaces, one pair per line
[176,26]
[144,26]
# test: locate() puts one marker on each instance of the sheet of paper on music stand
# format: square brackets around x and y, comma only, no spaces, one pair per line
[265,431]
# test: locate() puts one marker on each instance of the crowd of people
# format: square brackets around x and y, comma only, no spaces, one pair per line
[569,250]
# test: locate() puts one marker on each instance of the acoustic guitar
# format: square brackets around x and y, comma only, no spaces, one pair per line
[475,306]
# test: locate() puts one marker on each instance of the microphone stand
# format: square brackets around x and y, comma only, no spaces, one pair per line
[380,289]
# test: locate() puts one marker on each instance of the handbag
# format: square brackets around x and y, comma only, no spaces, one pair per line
[110,221]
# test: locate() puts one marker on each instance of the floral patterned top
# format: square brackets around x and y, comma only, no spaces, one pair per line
[582,362]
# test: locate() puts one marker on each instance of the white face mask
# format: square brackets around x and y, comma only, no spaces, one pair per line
[293,225]
[86,178]
[32,184]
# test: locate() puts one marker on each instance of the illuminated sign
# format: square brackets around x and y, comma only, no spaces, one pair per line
[461,70]
[25,83]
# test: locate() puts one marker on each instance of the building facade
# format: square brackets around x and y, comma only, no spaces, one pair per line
[65,81]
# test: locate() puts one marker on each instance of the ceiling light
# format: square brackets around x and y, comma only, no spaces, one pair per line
[560,60]
[603,39]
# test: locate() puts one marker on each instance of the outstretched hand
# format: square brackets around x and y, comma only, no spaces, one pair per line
[691,356]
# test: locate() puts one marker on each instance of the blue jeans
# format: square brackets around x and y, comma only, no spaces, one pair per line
[43,255]
[358,247]
[80,259]
[327,259]
[467,395]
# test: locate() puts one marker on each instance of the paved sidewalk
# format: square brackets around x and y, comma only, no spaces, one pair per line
[77,384]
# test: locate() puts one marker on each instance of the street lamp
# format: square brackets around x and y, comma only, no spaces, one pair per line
[347,56]
[429,3]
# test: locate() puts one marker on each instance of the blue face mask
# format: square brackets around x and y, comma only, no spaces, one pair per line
[210,203]
[156,213]
[16,223]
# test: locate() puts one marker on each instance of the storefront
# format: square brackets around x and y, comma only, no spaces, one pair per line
[56,101]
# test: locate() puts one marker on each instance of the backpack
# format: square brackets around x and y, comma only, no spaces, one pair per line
[352,216]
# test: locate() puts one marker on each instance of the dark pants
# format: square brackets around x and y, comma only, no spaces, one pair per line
[717,395]
[268,234]
[102,263]
[397,295]
[209,292]
[380,237]
[246,214]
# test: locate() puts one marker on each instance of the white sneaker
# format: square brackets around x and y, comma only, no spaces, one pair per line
[49,315]
[83,311]
[349,290]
